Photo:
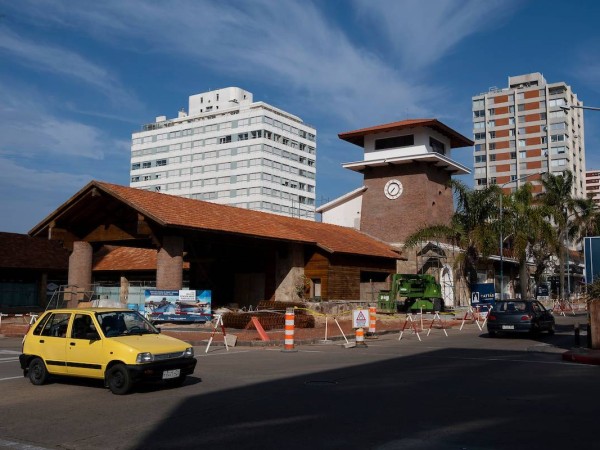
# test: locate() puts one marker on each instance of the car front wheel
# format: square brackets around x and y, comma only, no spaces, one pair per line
[118,379]
[38,374]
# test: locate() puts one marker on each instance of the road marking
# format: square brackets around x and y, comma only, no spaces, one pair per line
[5,360]
[223,354]
[562,363]
[9,352]
[5,379]
[20,445]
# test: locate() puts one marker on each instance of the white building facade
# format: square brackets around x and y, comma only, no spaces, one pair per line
[231,150]
[528,128]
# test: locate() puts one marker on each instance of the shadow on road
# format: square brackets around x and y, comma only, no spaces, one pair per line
[444,399]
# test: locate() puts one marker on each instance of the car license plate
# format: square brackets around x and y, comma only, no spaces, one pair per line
[508,327]
[168,374]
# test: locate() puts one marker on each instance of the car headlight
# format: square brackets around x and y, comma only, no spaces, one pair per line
[189,352]
[144,358]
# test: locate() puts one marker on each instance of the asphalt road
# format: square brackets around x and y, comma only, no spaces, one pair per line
[465,391]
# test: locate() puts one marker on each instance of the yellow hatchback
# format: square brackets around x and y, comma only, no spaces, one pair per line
[116,345]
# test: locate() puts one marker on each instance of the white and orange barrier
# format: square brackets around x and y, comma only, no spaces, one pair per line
[372,322]
[413,326]
[218,318]
[437,320]
[288,343]
[360,337]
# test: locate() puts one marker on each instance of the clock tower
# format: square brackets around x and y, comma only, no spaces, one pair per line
[406,170]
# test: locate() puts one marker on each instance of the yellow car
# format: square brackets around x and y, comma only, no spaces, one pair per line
[116,345]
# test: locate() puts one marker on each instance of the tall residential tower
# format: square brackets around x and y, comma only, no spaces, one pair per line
[231,150]
[526,129]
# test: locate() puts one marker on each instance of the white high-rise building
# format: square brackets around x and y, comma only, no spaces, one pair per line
[528,128]
[231,150]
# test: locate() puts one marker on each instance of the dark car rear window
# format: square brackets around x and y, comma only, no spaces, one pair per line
[511,306]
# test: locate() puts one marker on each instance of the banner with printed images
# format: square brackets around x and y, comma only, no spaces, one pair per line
[178,306]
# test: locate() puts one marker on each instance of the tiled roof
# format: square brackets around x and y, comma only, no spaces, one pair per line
[126,258]
[357,137]
[179,212]
[20,251]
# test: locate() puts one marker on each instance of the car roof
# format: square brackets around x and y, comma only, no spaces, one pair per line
[88,310]
[516,300]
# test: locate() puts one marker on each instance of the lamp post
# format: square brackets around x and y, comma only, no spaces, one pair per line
[501,247]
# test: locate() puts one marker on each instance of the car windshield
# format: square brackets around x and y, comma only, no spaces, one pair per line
[123,323]
[515,306]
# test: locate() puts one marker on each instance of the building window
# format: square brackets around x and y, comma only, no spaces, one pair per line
[522,143]
[479,136]
[480,159]
[395,142]
[436,146]
[479,113]
[522,154]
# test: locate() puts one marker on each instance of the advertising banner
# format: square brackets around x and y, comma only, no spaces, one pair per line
[178,306]
[591,251]
[483,294]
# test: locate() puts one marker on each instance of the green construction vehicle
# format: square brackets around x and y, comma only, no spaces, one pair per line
[411,293]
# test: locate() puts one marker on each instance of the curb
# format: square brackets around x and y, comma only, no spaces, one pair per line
[582,356]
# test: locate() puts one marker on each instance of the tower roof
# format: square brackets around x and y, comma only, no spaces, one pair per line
[357,137]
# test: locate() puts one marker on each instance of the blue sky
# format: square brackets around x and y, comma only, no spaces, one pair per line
[78,77]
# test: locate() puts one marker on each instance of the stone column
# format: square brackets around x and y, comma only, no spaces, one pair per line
[169,264]
[80,273]
[124,291]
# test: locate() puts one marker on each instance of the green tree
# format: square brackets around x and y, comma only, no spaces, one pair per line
[528,231]
[469,228]
[568,214]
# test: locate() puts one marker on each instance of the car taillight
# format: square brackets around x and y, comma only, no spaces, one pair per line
[526,317]
[491,317]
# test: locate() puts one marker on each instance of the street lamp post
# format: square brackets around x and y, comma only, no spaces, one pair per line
[501,247]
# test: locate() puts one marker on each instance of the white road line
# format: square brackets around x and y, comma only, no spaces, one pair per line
[8,360]
[19,445]
[5,379]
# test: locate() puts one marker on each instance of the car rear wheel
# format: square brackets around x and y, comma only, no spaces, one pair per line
[118,379]
[38,374]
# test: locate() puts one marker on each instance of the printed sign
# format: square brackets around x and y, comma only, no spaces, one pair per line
[482,294]
[360,318]
[178,306]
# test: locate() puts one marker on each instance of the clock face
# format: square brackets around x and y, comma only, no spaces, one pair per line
[393,189]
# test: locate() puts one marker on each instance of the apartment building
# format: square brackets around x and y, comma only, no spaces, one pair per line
[230,150]
[592,181]
[528,128]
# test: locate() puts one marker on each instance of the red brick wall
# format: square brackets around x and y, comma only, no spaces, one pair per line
[426,200]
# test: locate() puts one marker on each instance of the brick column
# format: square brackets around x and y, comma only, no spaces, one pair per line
[80,272]
[169,264]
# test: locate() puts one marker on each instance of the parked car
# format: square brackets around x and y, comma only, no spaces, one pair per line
[514,316]
[117,345]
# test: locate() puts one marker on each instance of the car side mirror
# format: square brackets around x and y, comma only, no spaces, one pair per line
[159,330]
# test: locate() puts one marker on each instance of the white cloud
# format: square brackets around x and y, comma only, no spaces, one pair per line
[28,129]
[288,44]
[422,32]
[65,63]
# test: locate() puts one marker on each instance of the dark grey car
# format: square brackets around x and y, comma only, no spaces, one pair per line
[514,316]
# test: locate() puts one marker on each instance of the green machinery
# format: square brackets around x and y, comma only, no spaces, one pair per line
[411,293]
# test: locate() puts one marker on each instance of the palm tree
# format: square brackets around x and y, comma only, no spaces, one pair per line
[469,228]
[568,215]
[528,231]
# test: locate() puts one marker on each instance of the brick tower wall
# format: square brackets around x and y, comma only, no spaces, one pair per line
[426,200]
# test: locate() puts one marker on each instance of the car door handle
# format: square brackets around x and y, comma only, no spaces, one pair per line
[42,341]
[73,343]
